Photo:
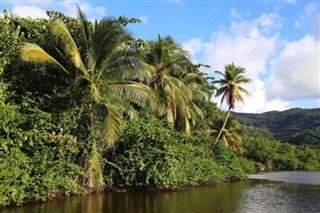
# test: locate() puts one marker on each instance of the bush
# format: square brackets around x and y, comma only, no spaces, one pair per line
[33,163]
[14,176]
[149,153]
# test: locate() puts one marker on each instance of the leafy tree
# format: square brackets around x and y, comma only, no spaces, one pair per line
[260,150]
[309,157]
[8,44]
[101,78]
[177,89]
[310,137]
[258,132]
[297,126]
[230,88]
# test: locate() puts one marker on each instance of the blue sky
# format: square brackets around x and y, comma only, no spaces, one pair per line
[278,42]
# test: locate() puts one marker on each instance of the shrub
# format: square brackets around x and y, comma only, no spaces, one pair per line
[150,153]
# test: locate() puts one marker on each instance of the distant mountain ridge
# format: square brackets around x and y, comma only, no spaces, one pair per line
[287,126]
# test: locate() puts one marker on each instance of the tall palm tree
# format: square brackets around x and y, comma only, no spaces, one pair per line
[104,72]
[177,89]
[230,88]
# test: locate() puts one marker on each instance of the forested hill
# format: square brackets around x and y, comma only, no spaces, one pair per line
[298,126]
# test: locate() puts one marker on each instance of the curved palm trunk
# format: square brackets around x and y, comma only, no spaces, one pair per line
[224,124]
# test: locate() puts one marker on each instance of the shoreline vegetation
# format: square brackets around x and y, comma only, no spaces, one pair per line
[86,107]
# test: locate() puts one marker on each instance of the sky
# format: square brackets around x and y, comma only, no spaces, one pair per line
[277,42]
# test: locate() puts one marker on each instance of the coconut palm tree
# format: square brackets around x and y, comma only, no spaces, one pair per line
[103,75]
[230,88]
[229,136]
[177,89]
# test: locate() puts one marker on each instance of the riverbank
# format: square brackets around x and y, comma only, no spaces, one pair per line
[62,195]
[241,197]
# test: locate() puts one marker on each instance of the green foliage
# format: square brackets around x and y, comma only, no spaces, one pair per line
[258,132]
[9,35]
[33,163]
[14,176]
[149,153]
[9,39]
[309,157]
[124,21]
[281,156]
[57,128]
[297,126]
[310,137]
[36,177]
[177,83]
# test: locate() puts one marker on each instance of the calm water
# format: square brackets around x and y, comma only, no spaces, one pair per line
[297,192]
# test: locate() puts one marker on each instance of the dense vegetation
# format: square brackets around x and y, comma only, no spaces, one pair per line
[85,106]
[152,154]
[295,126]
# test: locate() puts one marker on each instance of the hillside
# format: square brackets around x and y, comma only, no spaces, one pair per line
[298,126]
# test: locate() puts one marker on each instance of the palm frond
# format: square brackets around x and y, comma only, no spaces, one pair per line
[243,79]
[60,30]
[211,131]
[119,64]
[241,89]
[112,122]
[82,20]
[32,52]
[187,128]
[220,73]
[133,91]
[107,36]
[197,110]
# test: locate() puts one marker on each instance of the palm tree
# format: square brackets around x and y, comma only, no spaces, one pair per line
[230,88]
[177,89]
[230,137]
[104,70]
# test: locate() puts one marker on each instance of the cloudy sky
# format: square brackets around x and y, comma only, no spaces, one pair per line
[277,42]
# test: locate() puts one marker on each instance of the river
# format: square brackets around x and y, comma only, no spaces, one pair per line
[276,192]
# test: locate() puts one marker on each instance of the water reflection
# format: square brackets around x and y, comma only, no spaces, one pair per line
[202,199]
[261,196]
[270,197]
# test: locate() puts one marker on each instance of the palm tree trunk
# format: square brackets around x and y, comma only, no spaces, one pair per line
[224,124]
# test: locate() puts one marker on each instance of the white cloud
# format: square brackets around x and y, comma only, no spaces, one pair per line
[266,23]
[307,14]
[283,72]
[250,44]
[193,46]
[68,7]
[37,9]
[315,31]
[235,14]
[295,74]
[257,101]
[29,11]
[244,50]
[246,43]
